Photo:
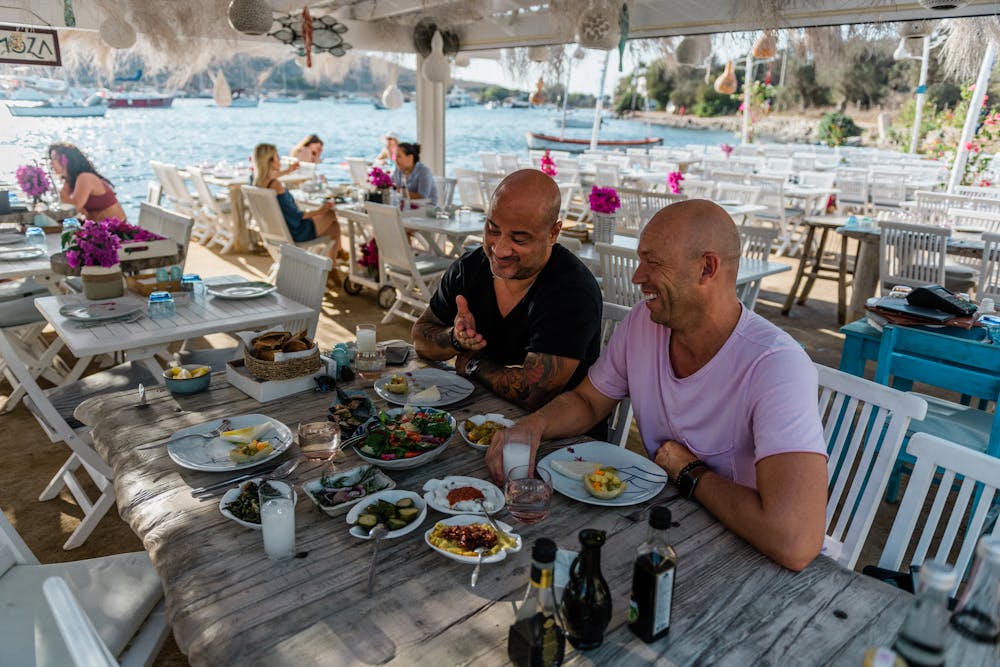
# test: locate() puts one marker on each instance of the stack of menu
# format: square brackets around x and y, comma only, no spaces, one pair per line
[898,311]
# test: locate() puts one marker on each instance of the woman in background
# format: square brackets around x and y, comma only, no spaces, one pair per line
[304,226]
[388,154]
[413,175]
[308,150]
[83,186]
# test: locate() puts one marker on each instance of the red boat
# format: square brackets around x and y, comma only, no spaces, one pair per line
[138,100]
[538,141]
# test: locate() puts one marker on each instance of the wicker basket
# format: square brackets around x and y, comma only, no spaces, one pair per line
[282,370]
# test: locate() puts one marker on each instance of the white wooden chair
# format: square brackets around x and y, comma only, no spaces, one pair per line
[490,161]
[214,223]
[955,521]
[756,243]
[932,207]
[628,218]
[607,174]
[852,187]
[470,192]
[864,424]
[788,219]
[274,231]
[358,167]
[489,181]
[696,188]
[414,277]
[968,218]
[911,254]
[174,187]
[445,190]
[166,223]
[989,276]
[302,277]
[508,162]
[620,419]
[887,191]
[744,194]
[978,192]
[566,192]
[105,609]
[617,267]
[154,192]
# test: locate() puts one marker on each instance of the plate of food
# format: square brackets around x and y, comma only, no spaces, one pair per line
[458,537]
[401,512]
[477,431]
[403,438]
[242,290]
[242,503]
[337,493]
[103,310]
[427,387]
[251,440]
[460,495]
[350,409]
[600,473]
[21,253]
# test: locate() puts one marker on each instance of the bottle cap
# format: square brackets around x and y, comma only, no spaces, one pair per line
[544,550]
[989,548]
[591,537]
[659,517]
[938,576]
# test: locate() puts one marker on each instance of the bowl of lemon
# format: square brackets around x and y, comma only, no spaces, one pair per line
[188,379]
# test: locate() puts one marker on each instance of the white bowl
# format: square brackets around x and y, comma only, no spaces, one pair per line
[234,493]
[479,419]
[437,490]
[315,486]
[404,464]
[390,497]
[465,519]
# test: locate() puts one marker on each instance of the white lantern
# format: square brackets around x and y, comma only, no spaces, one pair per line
[597,29]
[436,68]
[116,33]
[251,17]
[538,54]
[462,60]
[392,97]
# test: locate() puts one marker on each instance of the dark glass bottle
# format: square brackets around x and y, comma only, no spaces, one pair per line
[535,639]
[586,601]
[653,580]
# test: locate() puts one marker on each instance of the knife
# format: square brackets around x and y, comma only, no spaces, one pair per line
[228,482]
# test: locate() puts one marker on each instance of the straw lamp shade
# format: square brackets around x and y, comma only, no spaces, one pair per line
[251,17]
[116,33]
[693,50]
[766,45]
[462,60]
[392,98]
[436,66]
[726,83]
[597,29]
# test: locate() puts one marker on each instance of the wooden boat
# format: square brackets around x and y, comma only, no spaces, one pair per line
[539,141]
[138,100]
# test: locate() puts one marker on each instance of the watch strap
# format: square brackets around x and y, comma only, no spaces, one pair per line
[454,341]
[686,481]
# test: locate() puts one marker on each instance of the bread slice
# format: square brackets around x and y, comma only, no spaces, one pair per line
[574,469]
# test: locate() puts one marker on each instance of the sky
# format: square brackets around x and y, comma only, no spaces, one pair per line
[585,76]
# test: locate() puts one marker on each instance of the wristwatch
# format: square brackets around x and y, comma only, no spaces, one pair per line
[472,366]
[454,340]
[686,481]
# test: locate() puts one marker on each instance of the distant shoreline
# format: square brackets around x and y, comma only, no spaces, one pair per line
[780,127]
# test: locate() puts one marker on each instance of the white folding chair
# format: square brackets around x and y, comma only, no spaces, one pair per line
[756,243]
[932,207]
[628,218]
[214,222]
[168,224]
[620,419]
[102,610]
[989,276]
[445,190]
[864,424]
[174,187]
[414,277]
[302,277]
[951,521]
[274,231]
[607,174]
[358,168]
[617,267]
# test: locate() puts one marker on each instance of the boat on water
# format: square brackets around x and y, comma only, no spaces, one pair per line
[573,121]
[242,99]
[282,99]
[457,97]
[93,106]
[138,99]
[539,141]
[356,98]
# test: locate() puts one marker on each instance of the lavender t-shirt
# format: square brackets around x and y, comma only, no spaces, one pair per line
[756,397]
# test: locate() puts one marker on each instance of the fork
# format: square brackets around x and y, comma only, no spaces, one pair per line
[214,433]
[128,319]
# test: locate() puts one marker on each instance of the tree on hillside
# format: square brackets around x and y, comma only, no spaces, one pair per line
[800,87]
[495,94]
[659,83]
[863,75]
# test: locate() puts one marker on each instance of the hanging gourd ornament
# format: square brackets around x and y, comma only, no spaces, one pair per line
[766,45]
[538,97]
[726,83]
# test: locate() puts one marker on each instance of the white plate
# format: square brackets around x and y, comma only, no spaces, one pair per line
[479,419]
[436,492]
[249,290]
[314,486]
[390,497]
[12,239]
[463,520]
[234,493]
[453,387]
[645,478]
[212,454]
[95,312]
[20,253]
[403,464]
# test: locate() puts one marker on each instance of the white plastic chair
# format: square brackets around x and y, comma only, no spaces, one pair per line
[947,465]
[414,277]
[617,267]
[864,424]
[216,223]
[105,609]
[274,231]
[358,168]
[620,419]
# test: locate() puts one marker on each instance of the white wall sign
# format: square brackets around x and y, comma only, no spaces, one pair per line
[24,45]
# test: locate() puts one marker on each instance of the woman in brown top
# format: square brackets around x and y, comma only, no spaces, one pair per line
[87,190]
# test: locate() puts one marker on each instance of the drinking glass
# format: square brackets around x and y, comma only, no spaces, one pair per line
[277,519]
[515,454]
[35,237]
[528,493]
[319,440]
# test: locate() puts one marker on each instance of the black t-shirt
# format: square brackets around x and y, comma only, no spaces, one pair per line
[560,314]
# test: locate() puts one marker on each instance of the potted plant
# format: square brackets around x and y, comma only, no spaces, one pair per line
[603,203]
[93,251]
[382,182]
[548,165]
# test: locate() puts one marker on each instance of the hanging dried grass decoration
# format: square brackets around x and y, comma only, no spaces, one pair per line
[965,46]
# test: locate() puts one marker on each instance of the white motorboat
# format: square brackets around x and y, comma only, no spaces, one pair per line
[457,97]
[62,108]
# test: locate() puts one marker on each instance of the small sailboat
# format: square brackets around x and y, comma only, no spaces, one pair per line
[221,92]
[242,99]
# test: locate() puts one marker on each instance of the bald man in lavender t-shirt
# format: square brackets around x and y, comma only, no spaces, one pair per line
[724,400]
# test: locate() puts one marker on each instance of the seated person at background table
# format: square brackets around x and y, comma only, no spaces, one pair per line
[83,187]
[723,399]
[304,226]
[413,174]
[388,153]
[522,313]
[308,150]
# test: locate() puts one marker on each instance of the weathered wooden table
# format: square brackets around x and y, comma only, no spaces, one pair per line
[228,604]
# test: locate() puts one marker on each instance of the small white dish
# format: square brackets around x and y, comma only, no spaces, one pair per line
[314,487]
[393,497]
[464,520]
[234,493]
[436,495]
[478,420]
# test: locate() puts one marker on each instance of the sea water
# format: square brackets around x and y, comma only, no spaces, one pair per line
[196,132]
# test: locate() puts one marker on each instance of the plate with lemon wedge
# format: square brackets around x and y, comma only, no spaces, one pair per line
[251,440]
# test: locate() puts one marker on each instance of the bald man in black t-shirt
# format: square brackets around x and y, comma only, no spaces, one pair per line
[521,314]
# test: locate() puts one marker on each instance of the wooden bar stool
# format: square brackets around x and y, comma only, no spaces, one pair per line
[820,270]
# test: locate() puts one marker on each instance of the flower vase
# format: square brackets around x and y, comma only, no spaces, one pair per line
[604,228]
[101,282]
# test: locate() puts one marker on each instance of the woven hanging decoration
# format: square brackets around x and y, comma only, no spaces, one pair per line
[326,34]
[766,45]
[251,17]
[538,97]
[597,29]
[726,83]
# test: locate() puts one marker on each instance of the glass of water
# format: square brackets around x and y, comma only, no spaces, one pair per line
[35,237]
[319,440]
[277,519]
[528,492]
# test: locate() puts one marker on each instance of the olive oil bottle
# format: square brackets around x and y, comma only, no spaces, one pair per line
[653,580]
[535,639]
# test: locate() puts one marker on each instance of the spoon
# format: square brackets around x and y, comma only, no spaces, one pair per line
[479,562]
[376,534]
